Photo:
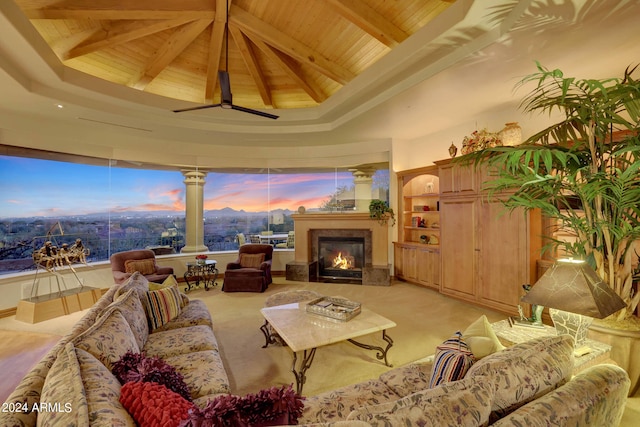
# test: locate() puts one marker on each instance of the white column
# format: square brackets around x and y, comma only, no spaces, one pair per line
[362,178]
[194,211]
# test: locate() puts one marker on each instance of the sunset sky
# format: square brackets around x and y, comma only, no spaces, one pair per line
[30,187]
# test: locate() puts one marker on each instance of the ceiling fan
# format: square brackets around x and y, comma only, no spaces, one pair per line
[226,99]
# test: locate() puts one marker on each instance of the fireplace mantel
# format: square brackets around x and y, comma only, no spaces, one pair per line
[304,267]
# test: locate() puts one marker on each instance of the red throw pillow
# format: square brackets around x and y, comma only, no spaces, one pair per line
[154,405]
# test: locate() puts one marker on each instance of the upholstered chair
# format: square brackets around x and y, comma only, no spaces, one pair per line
[251,272]
[124,264]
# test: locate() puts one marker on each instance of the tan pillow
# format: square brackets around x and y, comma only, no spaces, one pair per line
[251,260]
[481,339]
[144,266]
[169,281]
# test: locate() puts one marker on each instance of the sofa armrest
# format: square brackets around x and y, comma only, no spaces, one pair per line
[235,265]
[164,270]
[120,276]
[266,265]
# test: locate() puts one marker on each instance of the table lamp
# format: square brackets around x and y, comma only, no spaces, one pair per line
[575,295]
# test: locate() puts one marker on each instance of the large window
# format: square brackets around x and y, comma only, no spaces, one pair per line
[113,206]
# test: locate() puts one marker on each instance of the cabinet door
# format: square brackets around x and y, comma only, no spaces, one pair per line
[503,262]
[459,247]
[458,179]
[409,267]
[429,268]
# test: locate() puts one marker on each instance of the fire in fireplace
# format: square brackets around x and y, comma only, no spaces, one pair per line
[340,257]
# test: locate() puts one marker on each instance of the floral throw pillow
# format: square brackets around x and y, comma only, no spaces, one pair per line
[452,360]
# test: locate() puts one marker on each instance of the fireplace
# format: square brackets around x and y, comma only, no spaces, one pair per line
[340,257]
[370,258]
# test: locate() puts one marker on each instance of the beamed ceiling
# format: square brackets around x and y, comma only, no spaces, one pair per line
[282,54]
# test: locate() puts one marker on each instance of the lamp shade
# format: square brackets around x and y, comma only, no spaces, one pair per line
[575,287]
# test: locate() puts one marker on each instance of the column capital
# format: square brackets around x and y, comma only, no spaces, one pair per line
[192,177]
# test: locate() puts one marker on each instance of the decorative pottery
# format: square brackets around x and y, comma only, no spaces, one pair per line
[511,134]
[453,150]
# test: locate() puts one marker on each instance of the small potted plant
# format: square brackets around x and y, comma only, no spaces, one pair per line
[201,259]
[381,212]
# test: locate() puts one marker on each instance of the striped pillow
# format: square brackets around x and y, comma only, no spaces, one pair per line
[453,359]
[163,305]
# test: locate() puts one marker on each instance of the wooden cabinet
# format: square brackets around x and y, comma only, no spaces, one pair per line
[487,253]
[416,254]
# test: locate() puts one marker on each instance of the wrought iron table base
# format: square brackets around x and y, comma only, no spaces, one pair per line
[308,355]
[197,273]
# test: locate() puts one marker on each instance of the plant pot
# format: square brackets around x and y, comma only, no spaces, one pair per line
[625,349]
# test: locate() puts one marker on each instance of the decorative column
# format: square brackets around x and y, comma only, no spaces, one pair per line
[194,211]
[362,178]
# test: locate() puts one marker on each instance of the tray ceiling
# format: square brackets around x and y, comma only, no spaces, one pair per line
[282,53]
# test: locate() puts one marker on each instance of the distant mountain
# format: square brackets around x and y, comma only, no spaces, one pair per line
[232,212]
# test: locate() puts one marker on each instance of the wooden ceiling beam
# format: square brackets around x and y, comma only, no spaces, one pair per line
[119,32]
[110,10]
[252,64]
[272,36]
[291,68]
[216,44]
[369,21]
[163,56]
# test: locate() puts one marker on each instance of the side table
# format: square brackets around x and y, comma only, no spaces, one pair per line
[511,335]
[201,272]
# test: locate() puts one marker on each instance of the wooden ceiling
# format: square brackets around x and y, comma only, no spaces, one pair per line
[282,53]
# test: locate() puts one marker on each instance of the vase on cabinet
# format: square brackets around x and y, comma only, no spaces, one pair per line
[511,134]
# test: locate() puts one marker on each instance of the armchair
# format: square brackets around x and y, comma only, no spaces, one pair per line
[124,264]
[251,272]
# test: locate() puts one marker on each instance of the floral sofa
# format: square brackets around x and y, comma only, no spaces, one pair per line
[73,384]
[530,384]
[527,384]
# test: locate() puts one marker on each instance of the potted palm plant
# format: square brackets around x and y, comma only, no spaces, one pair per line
[583,172]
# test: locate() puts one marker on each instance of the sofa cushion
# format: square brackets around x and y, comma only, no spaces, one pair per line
[192,314]
[162,306]
[453,358]
[108,339]
[594,397]
[180,341]
[526,371]
[337,404]
[409,379]
[132,310]
[481,339]
[138,282]
[64,390]
[144,266]
[203,372]
[251,260]
[102,390]
[461,403]
[152,404]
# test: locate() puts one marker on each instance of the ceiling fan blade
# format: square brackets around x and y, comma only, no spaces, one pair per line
[225,87]
[256,112]
[199,107]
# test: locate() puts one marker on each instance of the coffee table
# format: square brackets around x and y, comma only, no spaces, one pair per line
[304,332]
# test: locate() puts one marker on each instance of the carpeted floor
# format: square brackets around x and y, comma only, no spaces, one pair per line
[424,319]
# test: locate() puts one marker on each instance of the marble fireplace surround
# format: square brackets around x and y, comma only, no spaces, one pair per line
[310,226]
